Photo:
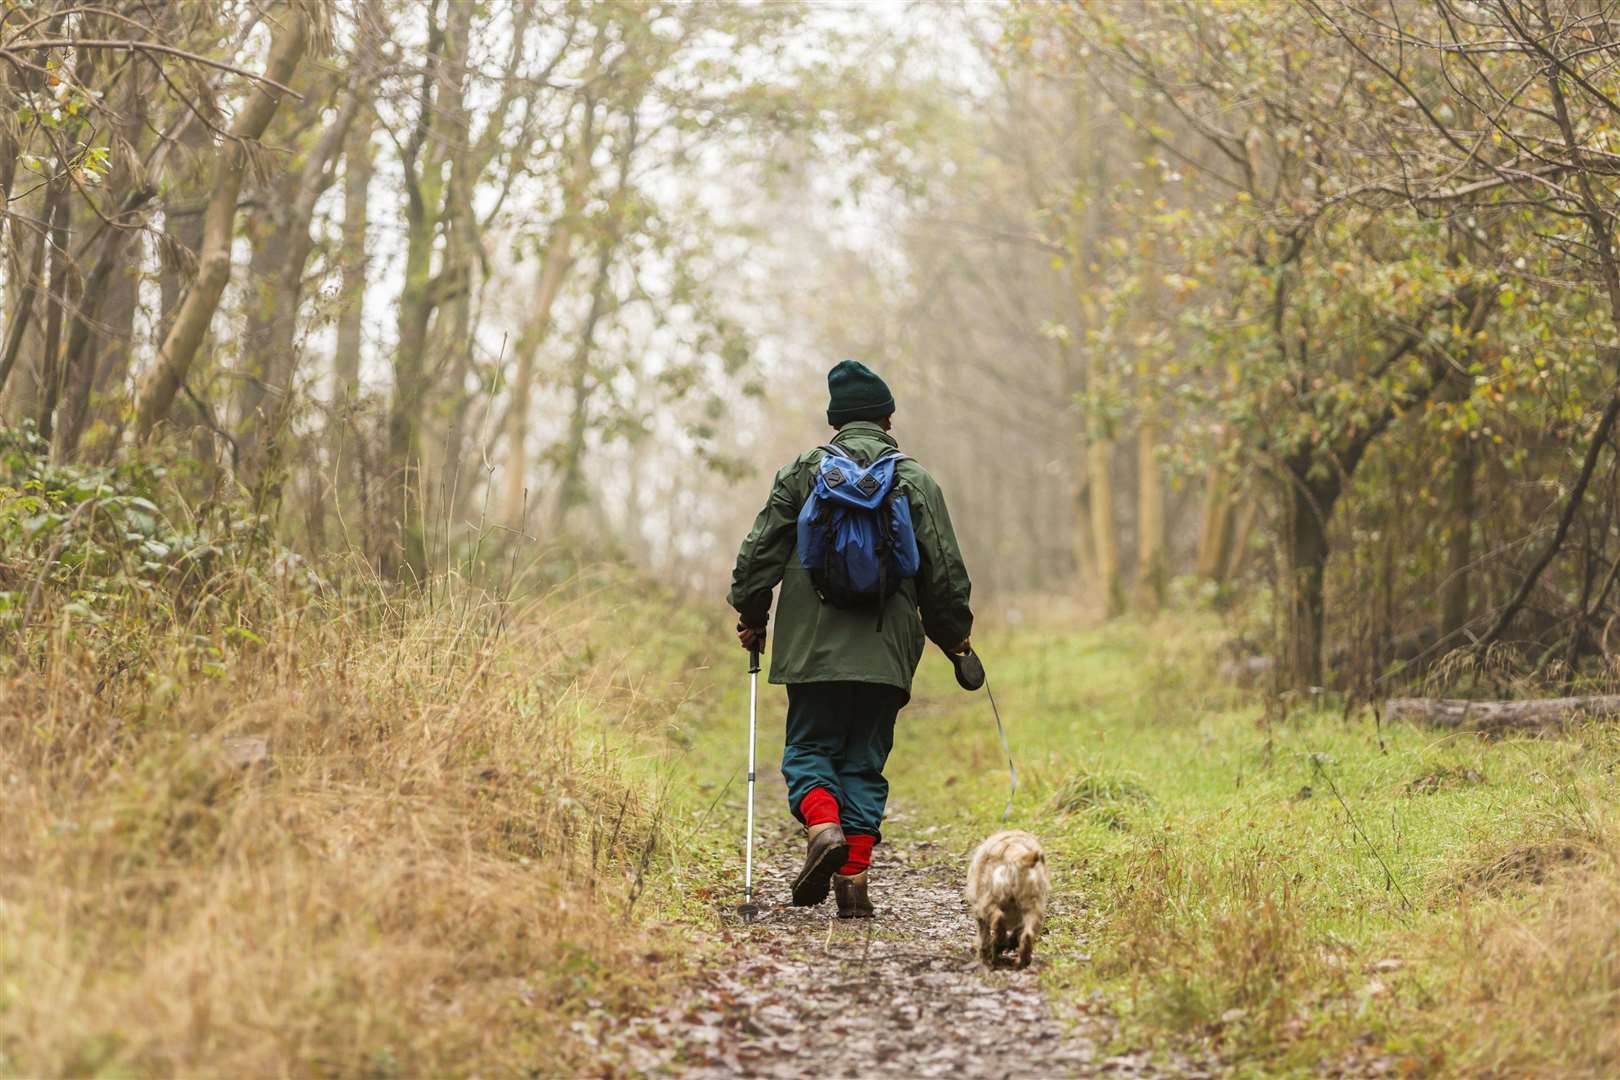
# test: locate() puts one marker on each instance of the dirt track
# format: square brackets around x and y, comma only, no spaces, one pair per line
[801,993]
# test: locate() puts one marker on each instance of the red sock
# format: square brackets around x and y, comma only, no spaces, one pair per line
[860,854]
[818,807]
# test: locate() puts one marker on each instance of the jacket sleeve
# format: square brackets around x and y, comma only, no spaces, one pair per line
[943,587]
[764,556]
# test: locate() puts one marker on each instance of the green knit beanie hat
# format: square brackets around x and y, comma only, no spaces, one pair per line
[855,392]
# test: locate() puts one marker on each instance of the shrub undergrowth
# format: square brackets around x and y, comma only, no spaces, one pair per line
[263,820]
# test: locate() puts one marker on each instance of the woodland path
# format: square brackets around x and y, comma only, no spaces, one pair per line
[801,993]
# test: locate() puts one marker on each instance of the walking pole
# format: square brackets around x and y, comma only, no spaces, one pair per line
[748,909]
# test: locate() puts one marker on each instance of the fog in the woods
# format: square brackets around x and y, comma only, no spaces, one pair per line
[386,385]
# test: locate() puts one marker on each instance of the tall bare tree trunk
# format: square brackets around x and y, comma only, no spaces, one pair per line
[1085,559]
[161,385]
[11,80]
[57,300]
[127,192]
[458,338]
[1152,562]
[110,284]
[1092,169]
[1074,386]
[570,493]
[557,262]
[272,358]
[559,254]
[1307,569]
[1243,527]
[1152,567]
[109,393]
[1215,526]
[21,351]
[25,281]
[269,237]
[1104,535]
[358,168]
[182,233]
[441,130]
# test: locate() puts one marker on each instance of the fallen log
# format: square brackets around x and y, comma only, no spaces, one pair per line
[1533,714]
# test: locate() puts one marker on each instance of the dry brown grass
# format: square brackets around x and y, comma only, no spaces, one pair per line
[1219,947]
[1527,981]
[429,874]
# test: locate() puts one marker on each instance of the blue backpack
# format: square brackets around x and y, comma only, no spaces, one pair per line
[855,532]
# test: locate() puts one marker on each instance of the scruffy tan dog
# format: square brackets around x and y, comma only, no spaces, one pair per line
[1007,888]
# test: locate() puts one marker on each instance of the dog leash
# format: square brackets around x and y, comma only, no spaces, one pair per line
[970,676]
[1012,770]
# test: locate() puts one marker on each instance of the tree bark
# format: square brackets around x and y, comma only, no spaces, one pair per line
[17,78]
[1310,509]
[27,286]
[1216,526]
[1085,559]
[24,286]
[440,118]
[1104,537]
[96,437]
[1152,565]
[56,302]
[272,358]
[270,240]
[358,168]
[68,397]
[182,237]
[1096,448]
[458,337]
[184,338]
[10,80]
[1238,551]
[558,259]
[570,492]
[110,281]
[557,262]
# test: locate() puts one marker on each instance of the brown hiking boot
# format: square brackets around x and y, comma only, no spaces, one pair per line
[851,895]
[825,853]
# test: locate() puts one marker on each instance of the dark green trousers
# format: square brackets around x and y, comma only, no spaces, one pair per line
[839,735]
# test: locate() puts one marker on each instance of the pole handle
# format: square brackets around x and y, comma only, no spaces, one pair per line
[753,661]
[969,669]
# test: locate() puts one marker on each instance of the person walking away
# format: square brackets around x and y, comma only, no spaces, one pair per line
[848,660]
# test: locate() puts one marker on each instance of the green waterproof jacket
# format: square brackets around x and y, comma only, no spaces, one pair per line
[815,642]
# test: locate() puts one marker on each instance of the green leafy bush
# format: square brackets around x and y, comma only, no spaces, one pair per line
[83,541]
